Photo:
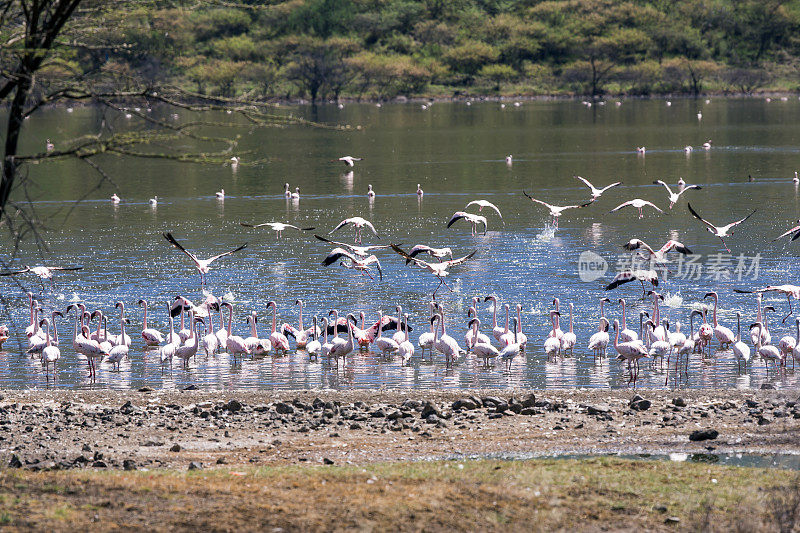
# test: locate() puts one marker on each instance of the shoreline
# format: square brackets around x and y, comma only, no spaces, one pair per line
[59,430]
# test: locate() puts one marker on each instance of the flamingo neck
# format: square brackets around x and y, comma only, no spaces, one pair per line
[47,332]
[519,321]
[230,321]
[55,329]
[301,316]
[570,318]
[183,323]
[506,319]
[144,326]
[274,317]
[715,311]
[494,314]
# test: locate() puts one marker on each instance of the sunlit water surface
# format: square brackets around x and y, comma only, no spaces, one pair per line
[457,154]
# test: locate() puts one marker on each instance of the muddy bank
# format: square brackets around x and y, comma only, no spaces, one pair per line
[154,429]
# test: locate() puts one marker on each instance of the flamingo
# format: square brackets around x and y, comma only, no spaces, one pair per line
[796,351]
[787,290]
[484,203]
[361,265]
[641,150]
[296,194]
[234,162]
[398,335]
[720,231]
[795,230]
[509,157]
[426,339]
[326,346]
[44,272]
[300,334]
[552,344]
[522,338]
[557,331]
[234,344]
[220,194]
[640,275]
[659,255]
[724,335]
[37,343]
[278,227]
[767,352]
[222,332]
[384,344]
[210,340]
[172,336]
[358,223]
[50,353]
[629,351]
[370,192]
[569,339]
[796,178]
[341,347]
[742,350]
[83,344]
[278,339]
[443,342]
[360,251]
[122,338]
[286,192]
[314,347]
[786,345]
[252,342]
[598,342]
[766,338]
[120,351]
[674,197]
[152,337]
[154,201]
[555,210]
[440,270]
[658,333]
[349,160]
[596,193]
[659,347]
[33,327]
[420,192]
[627,335]
[508,353]
[472,219]
[688,149]
[115,199]
[681,184]
[497,331]
[438,253]
[707,144]
[189,350]
[480,347]
[705,333]
[638,203]
[202,265]
[49,146]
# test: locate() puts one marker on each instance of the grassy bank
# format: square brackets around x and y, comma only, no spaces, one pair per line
[475,495]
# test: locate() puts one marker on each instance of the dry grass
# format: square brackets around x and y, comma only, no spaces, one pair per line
[482,495]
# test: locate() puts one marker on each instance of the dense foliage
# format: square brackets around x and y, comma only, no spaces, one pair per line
[327,49]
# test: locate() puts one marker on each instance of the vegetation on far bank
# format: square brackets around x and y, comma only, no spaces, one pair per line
[380,49]
[480,495]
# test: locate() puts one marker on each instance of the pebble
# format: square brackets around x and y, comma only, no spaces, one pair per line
[703,434]
[175,448]
[679,402]
[195,465]
[129,464]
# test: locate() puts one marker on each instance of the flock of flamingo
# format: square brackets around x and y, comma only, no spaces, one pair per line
[654,340]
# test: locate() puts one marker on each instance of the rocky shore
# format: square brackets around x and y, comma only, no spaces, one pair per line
[56,430]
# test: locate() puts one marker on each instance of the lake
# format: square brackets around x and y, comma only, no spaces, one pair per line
[457,154]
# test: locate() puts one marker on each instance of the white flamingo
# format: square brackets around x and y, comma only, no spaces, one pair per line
[596,193]
[790,291]
[210,340]
[484,203]
[767,352]
[497,331]
[724,335]
[511,351]
[120,351]
[438,253]
[626,335]
[740,349]
[220,194]
[152,337]
[795,231]
[420,192]
[552,344]
[278,339]
[659,256]
[482,348]
[234,344]
[370,192]
[50,353]
[115,199]
[384,344]
[358,223]
[555,210]
[278,227]
[360,251]
[444,343]
[349,160]
[675,196]
[440,270]
[638,203]
[314,347]
[355,263]
[202,265]
[598,342]
[426,339]
[122,338]
[569,339]
[472,219]
[640,275]
[720,231]
[189,350]
[631,352]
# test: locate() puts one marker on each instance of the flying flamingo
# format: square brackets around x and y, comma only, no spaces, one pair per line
[202,265]
[484,203]
[596,193]
[724,335]
[440,270]
[640,275]
[349,160]
[555,210]
[472,219]
[638,203]
[44,272]
[674,197]
[361,265]
[438,253]
[278,227]
[358,223]
[795,230]
[360,251]
[152,337]
[659,255]
[720,231]
[788,290]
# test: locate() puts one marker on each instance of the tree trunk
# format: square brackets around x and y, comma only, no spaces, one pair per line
[15,119]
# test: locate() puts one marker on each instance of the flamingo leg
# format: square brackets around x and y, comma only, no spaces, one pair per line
[788,299]
[725,245]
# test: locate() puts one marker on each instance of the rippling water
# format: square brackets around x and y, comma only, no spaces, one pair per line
[457,154]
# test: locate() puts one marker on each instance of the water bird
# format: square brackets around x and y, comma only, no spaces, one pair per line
[152,337]
[469,217]
[555,210]
[358,223]
[360,251]
[234,162]
[688,149]
[598,342]
[349,160]
[724,335]
[788,290]
[596,193]
[440,270]
[767,352]
[481,347]
[420,192]
[641,150]
[278,227]
[296,194]
[286,192]
[741,350]
[44,272]
[50,354]
[356,263]
[509,160]
[220,194]
[438,253]
[796,178]
[681,184]
[707,144]
[630,351]
[370,192]
[674,197]
[641,275]
[795,230]
[720,231]
[659,255]
[483,203]
[443,342]
[513,349]
[114,198]
[638,203]
[49,146]
[202,265]
[154,201]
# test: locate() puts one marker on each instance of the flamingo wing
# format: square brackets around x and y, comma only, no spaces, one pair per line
[340,225]
[733,224]
[688,187]
[270,224]
[223,254]
[372,259]
[701,219]
[336,254]
[661,182]
[458,215]
[676,246]
[368,224]
[460,260]
[408,258]
[66,268]
[484,203]
[621,278]
[532,199]
[586,182]
[795,230]
[615,184]
[624,204]
[177,245]
[13,272]
[341,244]
[635,244]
